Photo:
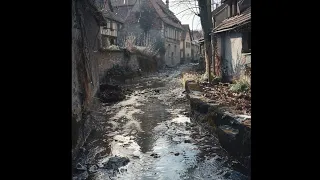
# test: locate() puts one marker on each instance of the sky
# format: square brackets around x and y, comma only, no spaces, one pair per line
[182,10]
[185,11]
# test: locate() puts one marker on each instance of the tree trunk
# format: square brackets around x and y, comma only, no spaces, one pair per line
[206,23]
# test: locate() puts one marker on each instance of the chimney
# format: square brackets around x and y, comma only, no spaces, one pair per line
[167,3]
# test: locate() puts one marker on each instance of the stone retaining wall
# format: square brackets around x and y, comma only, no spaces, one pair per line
[234,136]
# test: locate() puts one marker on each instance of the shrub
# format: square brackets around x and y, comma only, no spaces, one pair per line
[240,86]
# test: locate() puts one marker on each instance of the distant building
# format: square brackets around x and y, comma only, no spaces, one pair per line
[185,44]
[151,22]
[196,34]
[195,51]
[111,26]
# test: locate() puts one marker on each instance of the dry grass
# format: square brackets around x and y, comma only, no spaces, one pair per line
[190,76]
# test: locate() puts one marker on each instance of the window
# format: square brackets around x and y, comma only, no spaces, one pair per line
[187,45]
[112,41]
[234,8]
[246,42]
[108,24]
[229,10]
[115,26]
[111,25]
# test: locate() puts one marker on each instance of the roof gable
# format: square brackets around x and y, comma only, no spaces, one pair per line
[165,14]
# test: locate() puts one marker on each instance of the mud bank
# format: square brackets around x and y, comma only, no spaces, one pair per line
[233,135]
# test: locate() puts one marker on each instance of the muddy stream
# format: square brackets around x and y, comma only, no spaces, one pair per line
[149,136]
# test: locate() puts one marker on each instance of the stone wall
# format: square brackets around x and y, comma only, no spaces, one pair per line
[85,79]
[233,134]
[172,56]
[88,65]
[109,58]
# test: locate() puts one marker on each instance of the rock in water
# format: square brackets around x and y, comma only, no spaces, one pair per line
[116,162]
[80,167]
[93,169]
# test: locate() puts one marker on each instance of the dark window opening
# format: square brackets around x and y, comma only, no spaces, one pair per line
[234,8]
[112,41]
[246,42]
[229,10]
[104,41]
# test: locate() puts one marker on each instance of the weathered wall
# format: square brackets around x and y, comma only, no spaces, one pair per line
[233,134]
[85,79]
[88,65]
[108,59]
[232,61]
[232,55]
[187,52]
[229,52]
[220,16]
[195,52]
[172,56]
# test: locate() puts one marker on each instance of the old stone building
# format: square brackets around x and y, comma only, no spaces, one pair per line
[152,23]
[232,31]
[112,24]
[185,44]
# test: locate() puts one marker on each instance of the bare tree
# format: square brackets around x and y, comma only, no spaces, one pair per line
[206,23]
[205,15]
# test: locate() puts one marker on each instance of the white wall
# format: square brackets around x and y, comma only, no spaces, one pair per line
[188,49]
[233,59]
[232,52]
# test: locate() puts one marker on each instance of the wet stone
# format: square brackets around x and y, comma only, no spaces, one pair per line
[116,162]
[81,167]
[155,155]
[93,169]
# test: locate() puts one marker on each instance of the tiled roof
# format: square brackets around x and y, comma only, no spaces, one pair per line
[165,14]
[122,7]
[122,11]
[234,22]
[112,16]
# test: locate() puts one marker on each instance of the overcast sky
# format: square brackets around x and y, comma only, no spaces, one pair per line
[181,8]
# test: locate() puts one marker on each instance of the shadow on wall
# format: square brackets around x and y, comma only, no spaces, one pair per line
[148,64]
